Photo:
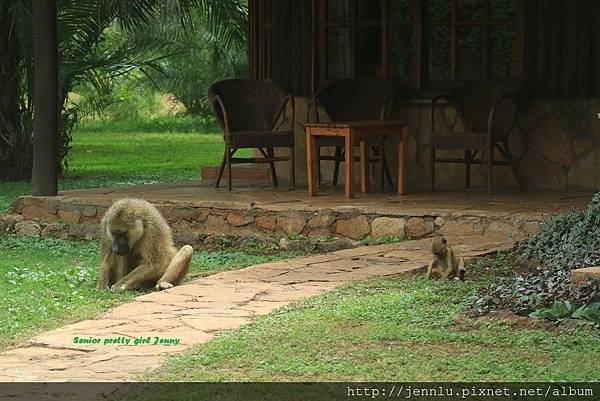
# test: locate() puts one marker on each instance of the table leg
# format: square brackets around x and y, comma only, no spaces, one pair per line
[364,165]
[311,160]
[381,150]
[317,162]
[349,163]
[402,161]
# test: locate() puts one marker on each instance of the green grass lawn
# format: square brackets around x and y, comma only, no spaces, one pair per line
[117,154]
[398,329]
[47,283]
[388,330]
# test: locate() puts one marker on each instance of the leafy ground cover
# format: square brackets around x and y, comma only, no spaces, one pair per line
[388,329]
[107,153]
[540,285]
[47,283]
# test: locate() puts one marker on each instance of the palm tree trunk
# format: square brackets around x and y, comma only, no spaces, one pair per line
[15,149]
[45,124]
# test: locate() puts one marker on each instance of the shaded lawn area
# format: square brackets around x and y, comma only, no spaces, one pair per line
[387,330]
[117,155]
[46,283]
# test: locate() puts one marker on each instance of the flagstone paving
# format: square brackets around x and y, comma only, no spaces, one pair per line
[191,314]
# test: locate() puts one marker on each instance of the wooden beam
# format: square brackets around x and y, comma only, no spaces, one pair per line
[45,123]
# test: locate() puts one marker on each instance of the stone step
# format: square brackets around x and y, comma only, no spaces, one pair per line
[579,275]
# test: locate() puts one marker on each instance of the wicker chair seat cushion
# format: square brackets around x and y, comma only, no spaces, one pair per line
[460,140]
[260,139]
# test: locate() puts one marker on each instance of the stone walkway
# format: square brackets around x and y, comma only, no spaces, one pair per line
[194,312]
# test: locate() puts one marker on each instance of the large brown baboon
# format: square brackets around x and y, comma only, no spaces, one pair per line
[137,248]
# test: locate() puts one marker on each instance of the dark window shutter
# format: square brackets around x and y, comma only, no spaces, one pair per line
[561,49]
[292,45]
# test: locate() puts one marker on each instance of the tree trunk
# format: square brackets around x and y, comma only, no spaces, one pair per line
[45,124]
[15,146]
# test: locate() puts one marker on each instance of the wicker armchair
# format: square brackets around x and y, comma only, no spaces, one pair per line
[354,99]
[487,111]
[248,112]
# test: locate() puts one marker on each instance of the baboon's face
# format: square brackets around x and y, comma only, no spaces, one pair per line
[438,247]
[124,235]
[120,245]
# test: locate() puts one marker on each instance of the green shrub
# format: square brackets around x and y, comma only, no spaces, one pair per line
[524,293]
[566,242]
[571,240]
[561,310]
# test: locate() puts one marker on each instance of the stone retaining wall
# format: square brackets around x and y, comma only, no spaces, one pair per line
[348,223]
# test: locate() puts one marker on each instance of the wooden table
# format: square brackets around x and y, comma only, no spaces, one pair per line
[353,132]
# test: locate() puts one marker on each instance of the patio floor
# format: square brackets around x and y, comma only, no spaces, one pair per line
[255,209]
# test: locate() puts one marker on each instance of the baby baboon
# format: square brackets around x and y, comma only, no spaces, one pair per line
[445,263]
[137,248]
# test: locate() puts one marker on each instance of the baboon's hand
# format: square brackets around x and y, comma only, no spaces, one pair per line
[163,285]
[120,288]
